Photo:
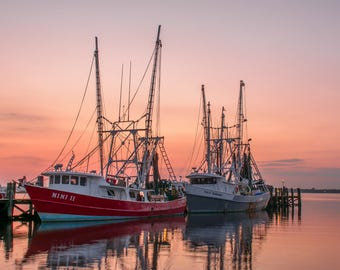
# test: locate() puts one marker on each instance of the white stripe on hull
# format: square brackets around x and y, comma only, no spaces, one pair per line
[70,217]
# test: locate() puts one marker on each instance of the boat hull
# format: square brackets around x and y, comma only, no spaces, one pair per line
[230,203]
[55,205]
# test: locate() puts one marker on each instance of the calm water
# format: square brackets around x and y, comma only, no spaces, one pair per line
[238,241]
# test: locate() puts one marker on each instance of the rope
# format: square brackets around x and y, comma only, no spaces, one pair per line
[189,163]
[81,135]
[88,146]
[89,154]
[140,83]
[76,120]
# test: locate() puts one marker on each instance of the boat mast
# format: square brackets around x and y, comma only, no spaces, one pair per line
[129,97]
[220,156]
[148,121]
[240,124]
[208,139]
[206,121]
[148,148]
[120,94]
[99,108]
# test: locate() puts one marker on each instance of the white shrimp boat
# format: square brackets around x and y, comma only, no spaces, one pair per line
[228,179]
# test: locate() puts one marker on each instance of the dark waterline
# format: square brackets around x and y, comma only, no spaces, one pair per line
[233,241]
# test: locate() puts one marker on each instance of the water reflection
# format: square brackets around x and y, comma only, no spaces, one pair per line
[226,241]
[209,241]
[197,242]
[6,235]
[93,245]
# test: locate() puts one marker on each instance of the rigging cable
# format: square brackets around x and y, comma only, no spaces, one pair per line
[76,120]
[81,135]
[139,85]
[120,94]
[89,154]
[89,144]
[189,163]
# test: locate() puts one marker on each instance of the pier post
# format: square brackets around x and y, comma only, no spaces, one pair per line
[8,238]
[299,202]
[30,209]
[276,199]
[299,197]
[283,197]
[292,199]
[10,196]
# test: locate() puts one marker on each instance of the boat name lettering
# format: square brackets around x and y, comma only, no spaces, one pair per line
[212,193]
[61,196]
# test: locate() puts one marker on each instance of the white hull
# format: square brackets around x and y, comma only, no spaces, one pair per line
[207,199]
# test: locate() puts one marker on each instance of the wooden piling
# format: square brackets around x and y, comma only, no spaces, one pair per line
[299,198]
[11,203]
[292,199]
[276,198]
[10,195]
[282,200]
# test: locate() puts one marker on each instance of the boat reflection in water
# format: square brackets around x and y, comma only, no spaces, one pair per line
[226,241]
[94,245]
[202,241]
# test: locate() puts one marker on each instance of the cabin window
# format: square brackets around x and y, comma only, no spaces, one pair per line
[132,194]
[110,192]
[212,180]
[57,179]
[65,180]
[83,181]
[203,181]
[74,180]
[51,179]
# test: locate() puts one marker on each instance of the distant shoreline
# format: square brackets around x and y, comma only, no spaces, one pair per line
[314,190]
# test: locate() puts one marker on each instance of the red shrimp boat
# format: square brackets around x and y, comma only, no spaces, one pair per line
[128,185]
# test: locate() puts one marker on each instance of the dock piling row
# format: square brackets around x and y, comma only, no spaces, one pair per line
[284,198]
[11,203]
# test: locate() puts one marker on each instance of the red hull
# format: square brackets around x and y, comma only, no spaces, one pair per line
[55,205]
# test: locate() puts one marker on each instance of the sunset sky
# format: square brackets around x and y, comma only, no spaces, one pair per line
[287,52]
